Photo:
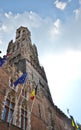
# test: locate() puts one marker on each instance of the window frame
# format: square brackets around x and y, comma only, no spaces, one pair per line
[8,110]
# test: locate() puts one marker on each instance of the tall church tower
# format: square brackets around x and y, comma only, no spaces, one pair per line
[25,55]
[25,58]
[16,107]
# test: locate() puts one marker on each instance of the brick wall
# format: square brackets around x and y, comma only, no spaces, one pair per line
[5,126]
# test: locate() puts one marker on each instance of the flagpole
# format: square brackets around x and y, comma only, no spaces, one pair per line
[17,102]
[33,104]
[29,113]
[68,112]
[29,117]
[74,125]
[34,97]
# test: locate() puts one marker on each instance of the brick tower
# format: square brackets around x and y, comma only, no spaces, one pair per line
[17,109]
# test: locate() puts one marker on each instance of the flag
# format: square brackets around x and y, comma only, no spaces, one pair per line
[72,121]
[77,126]
[33,93]
[21,80]
[5,57]
[2,61]
[8,54]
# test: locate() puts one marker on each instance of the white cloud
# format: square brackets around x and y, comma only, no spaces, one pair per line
[40,28]
[69,36]
[62,70]
[10,22]
[61,35]
[60,5]
[3,28]
[7,15]
[64,66]
[57,23]
[56,28]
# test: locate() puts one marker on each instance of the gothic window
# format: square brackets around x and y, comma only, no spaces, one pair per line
[23,119]
[8,111]
[13,48]
[23,31]
[39,110]
[51,119]
[18,45]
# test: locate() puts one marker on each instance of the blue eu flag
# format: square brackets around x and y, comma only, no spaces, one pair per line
[2,60]
[21,80]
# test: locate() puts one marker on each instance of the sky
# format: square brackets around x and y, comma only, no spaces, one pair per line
[55,27]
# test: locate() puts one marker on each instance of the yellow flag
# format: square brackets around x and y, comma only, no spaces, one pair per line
[73,123]
[77,127]
[32,95]
[34,92]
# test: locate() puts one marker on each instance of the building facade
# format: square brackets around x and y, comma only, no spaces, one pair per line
[17,110]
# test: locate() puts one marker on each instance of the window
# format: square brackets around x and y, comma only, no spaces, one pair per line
[5,114]
[18,45]
[51,119]
[18,34]
[10,115]
[39,111]
[24,93]
[23,119]
[8,111]
[13,48]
